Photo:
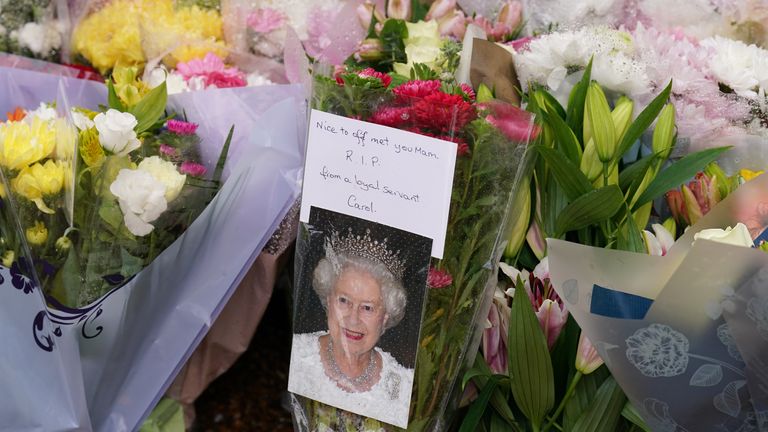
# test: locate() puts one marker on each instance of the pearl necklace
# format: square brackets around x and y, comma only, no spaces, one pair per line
[360,381]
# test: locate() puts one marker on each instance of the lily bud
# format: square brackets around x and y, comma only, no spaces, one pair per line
[454,24]
[622,116]
[692,208]
[63,244]
[599,123]
[484,94]
[519,225]
[535,239]
[587,358]
[399,9]
[370,50]
[511,15]
[590,163]
[439,9]
[664,134]
[365,14]
[713,170]
[671,226]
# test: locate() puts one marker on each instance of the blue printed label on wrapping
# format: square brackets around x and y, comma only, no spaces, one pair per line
[615,304]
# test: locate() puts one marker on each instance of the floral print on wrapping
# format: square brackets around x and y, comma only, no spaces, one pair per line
[757,311]
[658,351]
[725,336]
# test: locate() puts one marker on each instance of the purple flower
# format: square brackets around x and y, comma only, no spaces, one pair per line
[181,127]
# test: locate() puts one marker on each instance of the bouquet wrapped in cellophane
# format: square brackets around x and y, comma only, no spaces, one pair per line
[490,139]
[34,28]
[122,234]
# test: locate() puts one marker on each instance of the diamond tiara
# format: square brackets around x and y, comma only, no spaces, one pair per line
[366,247]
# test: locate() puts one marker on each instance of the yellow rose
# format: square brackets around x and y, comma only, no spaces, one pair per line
[38,181]
[422,29]
[23,143]
[90,147]
[37,234]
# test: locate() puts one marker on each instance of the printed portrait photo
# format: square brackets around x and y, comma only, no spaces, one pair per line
[360,298]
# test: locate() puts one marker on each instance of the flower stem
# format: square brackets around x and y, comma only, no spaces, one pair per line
[721,363]
[571,388]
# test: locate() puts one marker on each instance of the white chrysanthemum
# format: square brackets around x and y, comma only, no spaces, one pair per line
[41,39]
[541,14]
[697,18]
[740,66]
[256,79]
[621,74]
[44,112]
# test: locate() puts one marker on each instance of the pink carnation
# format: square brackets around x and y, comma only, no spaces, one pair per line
[180,127]
[438,278]
[192,168]
[406,92]
[264,20]
[213,72]
[385,79]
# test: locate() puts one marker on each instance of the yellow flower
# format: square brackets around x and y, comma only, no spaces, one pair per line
[111,36]
[23,144]
[128,87]
[66,136]
[8,257]
[90,147]
[37,234]
[748,175]
[423,45]
[38,181]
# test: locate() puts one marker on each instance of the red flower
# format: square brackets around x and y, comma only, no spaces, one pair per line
[467,89]
[463,149]
[419,89]
[385,79]
[438,278]
[513,122]
[16,115]
[443,112]
[392,117]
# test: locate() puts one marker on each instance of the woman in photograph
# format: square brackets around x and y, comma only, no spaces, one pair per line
[359,283]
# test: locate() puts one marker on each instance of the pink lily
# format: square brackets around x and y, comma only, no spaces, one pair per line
[587,358]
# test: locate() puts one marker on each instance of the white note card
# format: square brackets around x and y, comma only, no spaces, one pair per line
[385,175]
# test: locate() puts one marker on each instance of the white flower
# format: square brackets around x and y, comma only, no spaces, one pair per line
[541,271]
[141,197]
[658,351]
[40,39]
[116,132]
[256,79]
[174,83]
[738,65]
[165,172]
[81,121]
[737,236]
[660,243]
[44,112]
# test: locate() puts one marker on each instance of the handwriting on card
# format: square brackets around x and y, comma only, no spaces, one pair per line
[378,173]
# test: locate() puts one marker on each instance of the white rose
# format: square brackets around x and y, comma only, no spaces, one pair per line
[81,121]
[174,83]
[141,197]
[426,29]
[116,132]
[165,172]
[737,236]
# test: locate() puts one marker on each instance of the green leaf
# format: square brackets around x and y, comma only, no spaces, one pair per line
[112,99]
[679,172]
[498,401]
[552,105]
[530,366]
[630,237]
[150,108]
[66,283]
[576,102]
[643,121]
[630,413]
[604,412]
[634,173]
[591,208]
[564,137]
[583,396]
[477,409]
[568,176]
[223,156]
[473,373]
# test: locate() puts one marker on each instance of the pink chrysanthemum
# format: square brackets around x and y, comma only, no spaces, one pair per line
[168,150]
[385,79]
[392,117]
[192,168]
[438,278]
[180,127]
[264,20]
[213,72]
[410,90]
[443,112]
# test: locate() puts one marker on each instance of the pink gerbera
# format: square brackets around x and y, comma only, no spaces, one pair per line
[213,72]
[180,127]
[385,79]
[443,112]
[411,90]
[438,278]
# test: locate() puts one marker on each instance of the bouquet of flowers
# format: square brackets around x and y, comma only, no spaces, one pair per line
[34,28]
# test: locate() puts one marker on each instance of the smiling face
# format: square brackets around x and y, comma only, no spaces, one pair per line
[356,312]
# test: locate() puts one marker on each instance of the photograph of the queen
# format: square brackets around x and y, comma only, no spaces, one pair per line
[358,280]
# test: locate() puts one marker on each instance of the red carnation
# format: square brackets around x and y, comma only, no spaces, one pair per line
[385,79]
[419,89]
[443,112]
[392,117]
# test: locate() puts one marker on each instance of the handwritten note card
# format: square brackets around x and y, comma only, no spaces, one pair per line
[381,174]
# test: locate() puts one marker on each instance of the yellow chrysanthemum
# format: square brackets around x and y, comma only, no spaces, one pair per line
[38,181]
[197,51]
[748,175]
[37,234]
[203,22]
[90,147]
[66,137]
[111,36]
[23,143]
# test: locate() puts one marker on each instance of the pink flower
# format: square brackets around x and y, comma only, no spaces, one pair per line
[513,122]
[385,79]
[213,72]
[587,358]
[392,117]
[467,89]
[192,168]
[549,308]
[438,278]
[521,44]
[264,20]
[439,9]
[494,342]
[180,127]
[454,25]
[407,91]
[443,112]
[168,150]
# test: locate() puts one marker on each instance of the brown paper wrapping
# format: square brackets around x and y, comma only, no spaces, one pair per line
[494,66]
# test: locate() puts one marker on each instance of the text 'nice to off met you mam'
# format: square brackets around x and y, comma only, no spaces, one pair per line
[363,137]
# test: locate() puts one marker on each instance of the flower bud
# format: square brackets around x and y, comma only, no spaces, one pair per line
[692,208]
[536,241]
[399,9]
[365,14]
[454,24]
[63,244]
[511,15]
[439,9]
[519,225]
[664,133]
[671,226]
[370,50]
[622,116]
[599,123]
[724,183]
[37,234]
[484,94]
[8,257]
[590,164]
[587,358]
[676,205]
